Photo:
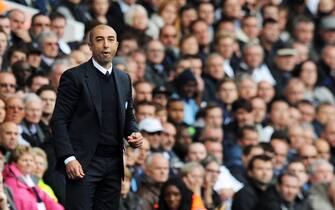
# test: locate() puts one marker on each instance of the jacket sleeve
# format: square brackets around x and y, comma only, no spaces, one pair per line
[66,102]
[130,121]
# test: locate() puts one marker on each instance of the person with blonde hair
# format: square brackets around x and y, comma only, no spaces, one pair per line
[17,176]
[41,165]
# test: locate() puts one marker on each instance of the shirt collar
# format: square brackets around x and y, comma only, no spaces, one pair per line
[102,69]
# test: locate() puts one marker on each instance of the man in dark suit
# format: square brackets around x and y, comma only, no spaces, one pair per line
[93,113]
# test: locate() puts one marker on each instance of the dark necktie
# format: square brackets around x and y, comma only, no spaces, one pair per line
[107,75]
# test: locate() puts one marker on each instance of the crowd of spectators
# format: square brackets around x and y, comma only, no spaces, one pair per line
[235,100]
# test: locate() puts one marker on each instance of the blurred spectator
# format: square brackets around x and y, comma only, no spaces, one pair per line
[57,69]
[48,42]
[17,176]
[9,134]
[41,165]
[129,200]
[308,154]
[284,195]
[144,110]
[7,85]
[175,195]
[157,172]
[31,130]
[193,174]
[321,196]
[195,152]
[152,129]
[260,173]
[48,96]
[321,171]
[15,109]
[143,91]
[57,25]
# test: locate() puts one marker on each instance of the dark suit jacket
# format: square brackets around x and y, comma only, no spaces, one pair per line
[77,119]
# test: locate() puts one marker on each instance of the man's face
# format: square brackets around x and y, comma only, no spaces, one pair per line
[15,110]
[169,136]
[295,92]
[3,43]
[262,171]
[250,27]
[48,99]
[201,32]
[215,149]
[156,52]
[214,117]
[57,72]
[10,135]
[196,152]
[58,27]
[244,117]
[304,32]
[176,111]
[5,25]
[33,112]
[279,113]
[189,89]
[38,82]
[259,109]
[41,23]
[289,188]
[253,57]
[159,169]
[226,47]
[215,67]
[280,149]
[265,91]
[206,12]
[285,63]
[271,32]
[7,85]
[145,111]
[228,92]
[50,47]
[103,44]
[250,137]
[143,92]
[17,20]
[247,89]
[308,154]
[168,37]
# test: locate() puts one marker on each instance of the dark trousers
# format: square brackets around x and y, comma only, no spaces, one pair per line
[100,187]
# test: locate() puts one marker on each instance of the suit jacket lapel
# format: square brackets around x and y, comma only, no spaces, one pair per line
[92,82]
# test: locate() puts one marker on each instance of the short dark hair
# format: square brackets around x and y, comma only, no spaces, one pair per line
[240,132]
[263,157]
[287,173]
[241,104]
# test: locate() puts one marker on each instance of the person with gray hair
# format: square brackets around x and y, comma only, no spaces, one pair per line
[321,171]
[32,132]
[58,68]
[322,196]
[157,172]
[253,63]
[48,43]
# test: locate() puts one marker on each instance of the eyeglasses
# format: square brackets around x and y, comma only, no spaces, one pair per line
[308,157]
[20,108]
[5,85]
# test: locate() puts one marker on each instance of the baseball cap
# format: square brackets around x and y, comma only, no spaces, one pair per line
[150,125]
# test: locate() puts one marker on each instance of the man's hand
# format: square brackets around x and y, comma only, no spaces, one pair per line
[74,170]
[135,140]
